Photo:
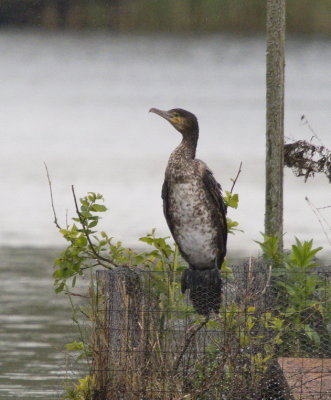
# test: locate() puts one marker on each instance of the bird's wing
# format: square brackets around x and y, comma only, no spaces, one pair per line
[215,191]
[164,196]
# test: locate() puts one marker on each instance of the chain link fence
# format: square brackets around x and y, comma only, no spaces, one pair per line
[270,340]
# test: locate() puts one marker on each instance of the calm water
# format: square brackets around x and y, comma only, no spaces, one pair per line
[80,102]
[34,326]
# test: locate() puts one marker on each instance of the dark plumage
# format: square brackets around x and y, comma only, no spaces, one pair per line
[195,212]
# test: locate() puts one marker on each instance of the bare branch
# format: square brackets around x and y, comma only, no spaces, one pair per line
[306,159]
[268,280]
[236,178]
[322,208]
[98,263]
[77,295]
[52,200]
[67,223]
[305,121]
[188,341]
[320,219]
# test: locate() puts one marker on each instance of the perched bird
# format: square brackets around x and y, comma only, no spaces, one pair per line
[195,212]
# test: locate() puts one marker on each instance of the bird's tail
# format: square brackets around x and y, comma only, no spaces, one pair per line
[205,289]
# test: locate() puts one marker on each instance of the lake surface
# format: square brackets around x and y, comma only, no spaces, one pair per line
[80,102]
[35,324]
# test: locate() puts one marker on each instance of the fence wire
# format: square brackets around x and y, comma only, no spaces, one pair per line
[271,339]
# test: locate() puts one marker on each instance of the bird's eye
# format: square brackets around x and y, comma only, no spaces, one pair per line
[175,114]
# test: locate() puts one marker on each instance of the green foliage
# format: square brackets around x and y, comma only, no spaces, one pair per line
[232,201]
[308,300]
[303,297]
[302,256]
[226,271]
[270,250]
[248,337]
[83,390]
[166,265]
[88,206]
[88,249]
[232,226]
[74,346]
[77,256]
[240,353]
[81,348]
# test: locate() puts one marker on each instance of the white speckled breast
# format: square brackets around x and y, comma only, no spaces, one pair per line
[194,229]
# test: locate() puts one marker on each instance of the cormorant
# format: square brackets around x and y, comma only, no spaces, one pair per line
[195,212]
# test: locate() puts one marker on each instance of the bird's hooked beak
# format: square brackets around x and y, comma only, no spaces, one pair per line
[164,114]
[175,120]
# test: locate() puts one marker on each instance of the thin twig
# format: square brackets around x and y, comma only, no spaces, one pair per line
[268,280]
[322,208]
[99,262]
[52,200]
[95,253]
[188,341]
[319,219]
[250,271]
[67,223]
[306,159]
[75,320]
[91,266]
[305,121]
[236,178]
[77,295]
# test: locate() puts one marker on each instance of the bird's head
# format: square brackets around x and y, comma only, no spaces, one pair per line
[184,121]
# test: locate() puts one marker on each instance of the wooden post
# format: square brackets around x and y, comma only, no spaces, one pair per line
[275,119]
[118,332]
[275,382]
[273,222]
[125,336]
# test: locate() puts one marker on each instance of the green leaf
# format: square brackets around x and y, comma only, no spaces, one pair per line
[231,200]
[91,196]
[98,208]
[74,346]
[81,241]
[312,334]
[60,287]
[57,274]
[147,240]
[269,246]
[85,214]
[93,224]
[232,226]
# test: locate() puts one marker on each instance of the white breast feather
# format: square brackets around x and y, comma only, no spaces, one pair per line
[194,228]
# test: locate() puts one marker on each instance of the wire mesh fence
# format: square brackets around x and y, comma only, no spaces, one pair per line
[270,340]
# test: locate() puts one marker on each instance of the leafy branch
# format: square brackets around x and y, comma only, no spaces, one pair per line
[85,216]
[232,200]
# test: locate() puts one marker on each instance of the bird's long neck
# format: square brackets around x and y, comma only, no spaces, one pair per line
[188,145]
